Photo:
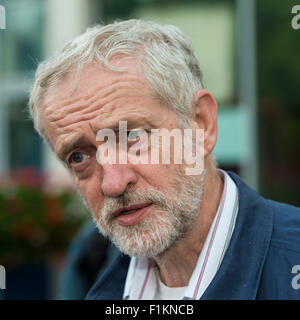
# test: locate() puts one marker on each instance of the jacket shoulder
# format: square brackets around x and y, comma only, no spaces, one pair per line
[286,228]
[280,279]
[286,218]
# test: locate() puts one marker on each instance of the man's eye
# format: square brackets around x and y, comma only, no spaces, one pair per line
[133,135]
[77,157]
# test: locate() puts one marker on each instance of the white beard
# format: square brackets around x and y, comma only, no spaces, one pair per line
[169,220]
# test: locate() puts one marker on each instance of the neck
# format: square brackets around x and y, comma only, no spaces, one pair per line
[177,264]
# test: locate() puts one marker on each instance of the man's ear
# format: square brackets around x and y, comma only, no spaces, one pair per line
[205,117]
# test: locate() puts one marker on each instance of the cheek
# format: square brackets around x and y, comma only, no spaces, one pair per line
[91,190]
[159,176]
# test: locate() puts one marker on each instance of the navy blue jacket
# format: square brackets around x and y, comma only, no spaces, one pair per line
[264,248]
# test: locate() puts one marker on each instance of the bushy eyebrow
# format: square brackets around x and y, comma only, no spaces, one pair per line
[114,125]
[65,148]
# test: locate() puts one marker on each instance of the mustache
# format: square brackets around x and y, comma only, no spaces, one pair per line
[132,197]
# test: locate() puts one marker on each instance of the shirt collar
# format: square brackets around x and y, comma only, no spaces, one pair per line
[141,281]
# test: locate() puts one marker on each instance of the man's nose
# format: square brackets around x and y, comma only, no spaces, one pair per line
[116,178]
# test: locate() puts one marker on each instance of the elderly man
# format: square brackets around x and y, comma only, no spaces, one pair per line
[184,236]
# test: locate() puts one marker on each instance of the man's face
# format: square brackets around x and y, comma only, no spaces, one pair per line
[143,208]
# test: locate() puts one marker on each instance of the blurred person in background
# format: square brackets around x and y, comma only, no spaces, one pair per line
[207,236]
[89,254]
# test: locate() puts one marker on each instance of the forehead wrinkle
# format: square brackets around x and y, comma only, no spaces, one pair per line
[82,94]
[134,113]
[63,111]
[99,110]
[57,110]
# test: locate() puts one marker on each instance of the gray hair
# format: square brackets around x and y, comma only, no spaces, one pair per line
[167,58]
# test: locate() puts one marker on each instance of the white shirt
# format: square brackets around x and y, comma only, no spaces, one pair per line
[166,293]
[143,283]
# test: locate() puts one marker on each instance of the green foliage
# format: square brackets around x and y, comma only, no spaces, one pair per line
[278,52]
[34,221]
[118,9]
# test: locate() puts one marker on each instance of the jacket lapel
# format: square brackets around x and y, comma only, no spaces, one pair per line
[240,272]
[110,286]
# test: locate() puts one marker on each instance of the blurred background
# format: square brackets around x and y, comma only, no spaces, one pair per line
[249,55]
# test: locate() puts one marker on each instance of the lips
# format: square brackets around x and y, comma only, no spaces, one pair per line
[132,214]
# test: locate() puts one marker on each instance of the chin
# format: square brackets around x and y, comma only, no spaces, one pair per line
[145,244]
